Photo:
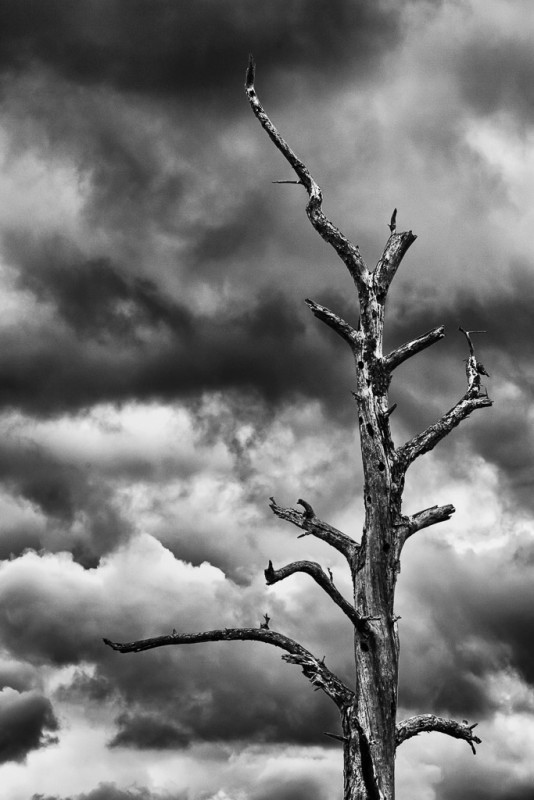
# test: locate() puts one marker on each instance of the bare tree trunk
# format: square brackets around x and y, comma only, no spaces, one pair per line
[374,709]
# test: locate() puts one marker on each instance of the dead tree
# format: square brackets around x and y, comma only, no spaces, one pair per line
[368,708]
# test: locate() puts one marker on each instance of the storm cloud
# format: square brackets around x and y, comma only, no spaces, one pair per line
[169,49]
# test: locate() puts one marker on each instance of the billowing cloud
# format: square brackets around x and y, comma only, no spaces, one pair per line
[278,705]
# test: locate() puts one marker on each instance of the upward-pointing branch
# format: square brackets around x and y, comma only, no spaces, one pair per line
[347,251]
[314,669]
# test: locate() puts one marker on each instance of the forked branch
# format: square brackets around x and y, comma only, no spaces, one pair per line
[428,722]
[405,351]
[325,582]
[314,669]
[394,251]
[347,251]
[316,527]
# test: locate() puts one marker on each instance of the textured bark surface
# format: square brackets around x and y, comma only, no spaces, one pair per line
[368,709]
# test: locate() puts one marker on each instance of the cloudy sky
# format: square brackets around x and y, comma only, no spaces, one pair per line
[161,377]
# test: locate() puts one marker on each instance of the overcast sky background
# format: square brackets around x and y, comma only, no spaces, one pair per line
[161,377]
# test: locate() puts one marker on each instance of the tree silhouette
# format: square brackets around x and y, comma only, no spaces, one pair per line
[370,732]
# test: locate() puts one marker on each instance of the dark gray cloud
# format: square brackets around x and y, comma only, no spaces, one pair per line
[187,354]
[495,74]
[196,47]
[478,621]
[27,722]
[454,685]
[149,731]
[94,298]
[122,339]
[18,675]
[78,507]
[261,703]
[491,783]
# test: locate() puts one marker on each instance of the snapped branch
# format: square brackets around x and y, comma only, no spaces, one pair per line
[314,669]
[313,526]
[425,518]
[405,351]
[325,582]
[335,322]
[347,251]
[428,722]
